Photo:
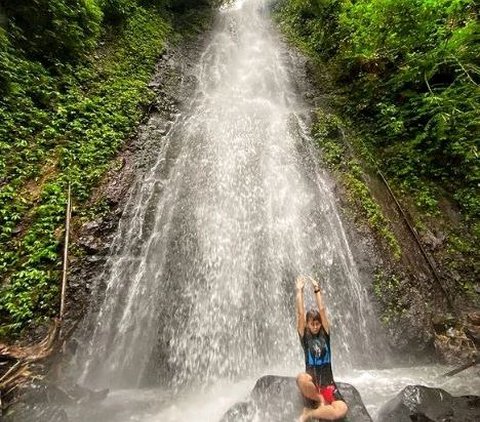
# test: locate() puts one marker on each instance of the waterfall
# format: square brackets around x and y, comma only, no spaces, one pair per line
[199,283]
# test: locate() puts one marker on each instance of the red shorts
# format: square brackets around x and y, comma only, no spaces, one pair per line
[329,393]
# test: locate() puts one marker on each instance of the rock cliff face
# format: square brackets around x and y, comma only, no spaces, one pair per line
[277,399]
[419,403]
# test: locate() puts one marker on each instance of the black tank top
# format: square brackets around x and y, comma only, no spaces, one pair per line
[318,357]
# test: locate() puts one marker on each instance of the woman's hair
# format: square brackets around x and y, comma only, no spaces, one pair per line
[313,315]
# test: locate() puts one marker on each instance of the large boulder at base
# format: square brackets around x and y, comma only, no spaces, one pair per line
[425,404]
[277,399]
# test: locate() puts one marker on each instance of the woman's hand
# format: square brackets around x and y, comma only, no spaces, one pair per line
[318,298]
[315,284]
[300,282]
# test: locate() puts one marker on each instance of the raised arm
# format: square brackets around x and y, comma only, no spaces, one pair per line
[300,308]
[321,307]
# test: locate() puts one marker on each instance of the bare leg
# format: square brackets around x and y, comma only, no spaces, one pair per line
[304,417]
[337,410]
[308,388]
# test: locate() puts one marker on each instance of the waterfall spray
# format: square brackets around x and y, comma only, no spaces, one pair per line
[200,278]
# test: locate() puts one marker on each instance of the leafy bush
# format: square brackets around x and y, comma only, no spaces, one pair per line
[316,22]
[48,30]
[412,68]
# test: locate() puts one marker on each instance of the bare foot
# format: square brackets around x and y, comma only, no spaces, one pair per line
[305,416]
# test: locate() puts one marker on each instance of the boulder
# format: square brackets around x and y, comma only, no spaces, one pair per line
[40,412]
[425,404]
[43,402]
[277,399]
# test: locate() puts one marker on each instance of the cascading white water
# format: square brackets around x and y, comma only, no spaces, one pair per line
[200,281]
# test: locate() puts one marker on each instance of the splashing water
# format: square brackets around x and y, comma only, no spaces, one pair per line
[200,280]
[158,405]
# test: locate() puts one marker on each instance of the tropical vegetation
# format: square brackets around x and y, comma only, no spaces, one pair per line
[407,75]
[73,85]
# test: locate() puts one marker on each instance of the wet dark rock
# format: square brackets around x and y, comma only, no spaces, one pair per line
[94,258]
[39,412]
[89,226]
[42,402]
[433,241]
[419,403]
[472,327]
[91,244]
[415,329]
[276,398]
[473,333]
[457,340]
[90,238]
[120,177]
[74,394]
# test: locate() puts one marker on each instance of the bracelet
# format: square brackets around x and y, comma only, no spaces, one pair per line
[316,290]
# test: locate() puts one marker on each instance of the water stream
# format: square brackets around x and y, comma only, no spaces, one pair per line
[198,290]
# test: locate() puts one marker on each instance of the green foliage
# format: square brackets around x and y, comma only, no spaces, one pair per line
[316,23]
[412,68]
[47,30]
[117,11]
[60,127]
[387,289]
[463,260]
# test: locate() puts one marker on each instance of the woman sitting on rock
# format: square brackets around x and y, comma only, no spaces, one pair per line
[316,384]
